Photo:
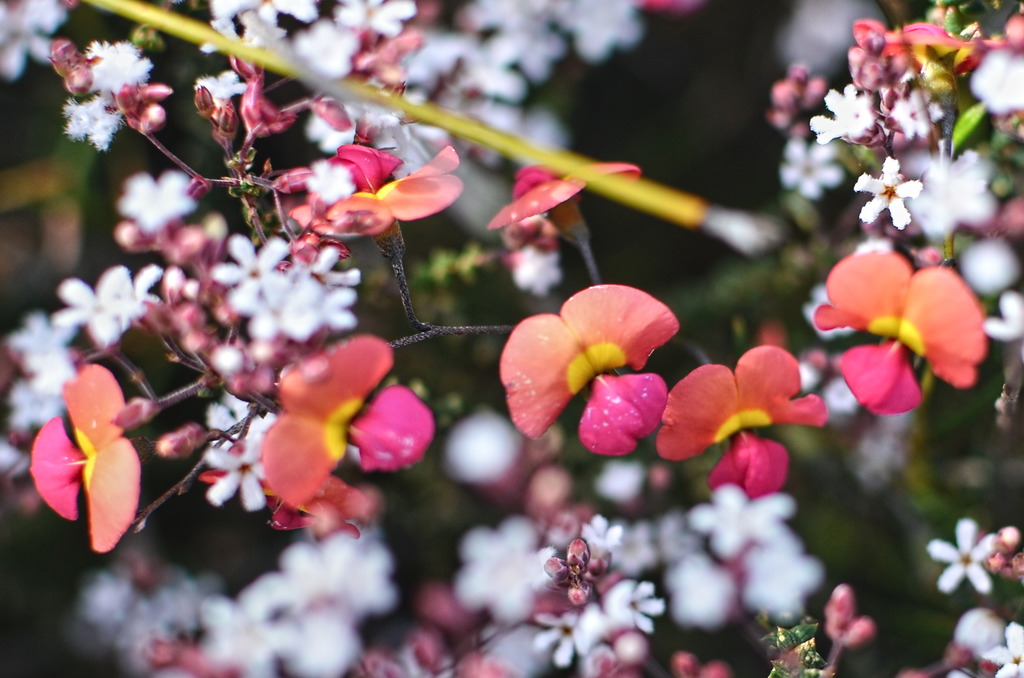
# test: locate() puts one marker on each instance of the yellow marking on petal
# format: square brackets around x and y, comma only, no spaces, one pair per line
[900,329]
[742,420]
[596,359]
[89,450]
[336,428]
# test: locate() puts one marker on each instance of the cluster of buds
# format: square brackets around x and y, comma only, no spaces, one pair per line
[686,665]
[842,623]
[1006,559]
[794,96]
[576,572]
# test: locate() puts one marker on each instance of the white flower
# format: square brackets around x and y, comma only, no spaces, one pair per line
[116,65]
[809,169]
[779,577]
[913,114]
[246,276]
[999,82]
[535,270]
[979,630]
[631,604]
[701,592]
[327,48]
[115,304]
[25,28]
[733,521]
[621,481]
[481,448]
[243,470]
[1011,326]
[331,181]
[600,26]
[222,86]
[30,408]
[954,194]
[989,266]
[381,16]
[94,120]
[638,551]
[42,351]
[890,190]
[854,116]
[602,537]
[558,637]
[152,204]
[966,559]
[500,570]
[1009,657]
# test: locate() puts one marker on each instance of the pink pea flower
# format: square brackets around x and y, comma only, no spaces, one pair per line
[538,190]
[377,202]
[925,42]
[713,404]
[931,313]
[103,461]
[549,358]
[324,408]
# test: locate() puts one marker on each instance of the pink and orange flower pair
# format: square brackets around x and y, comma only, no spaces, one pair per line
[378,202]
[550,358]
[713,404]
[101,460]
[324,408]
[930,313]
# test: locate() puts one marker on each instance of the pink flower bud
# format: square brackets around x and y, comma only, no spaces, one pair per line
[128,236]
[198,187]
[78,79]
[631,648]
[579,595]
[556,568]
[293,180]
[861,632]
[578,554]
[245,70]
[135,413]
[152,119]
[63,55]
[840,611]
[225,121]
[181,442]
[1008,539]
[716,669]
[156,91]
[530,177]
[333,114]
[428,650]
[205,104]
[684,665]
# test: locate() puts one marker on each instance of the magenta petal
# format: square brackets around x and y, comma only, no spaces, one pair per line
[393,431]
[57,468]
[621,410]
[882,378]
[757,465]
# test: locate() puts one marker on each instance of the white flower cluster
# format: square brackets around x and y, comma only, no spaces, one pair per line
[753,562]
[110,310]
[307,615]
[113,67]
[294,303]
[41,350]
[238,462]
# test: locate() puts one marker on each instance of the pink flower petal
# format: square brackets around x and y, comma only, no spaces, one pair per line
[94,398]
[881,377]
[621,410]
[393,431]
[57,469]
[370,167]
[296,457]
[767,378]
[537,200]
[697,407]
[864,287]
[349,370]
[757,465]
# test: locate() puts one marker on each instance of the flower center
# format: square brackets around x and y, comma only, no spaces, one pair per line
[899,329]
[336,428]
[742,420]
[595,360]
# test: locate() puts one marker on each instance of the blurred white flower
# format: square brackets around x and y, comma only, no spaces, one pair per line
[733,521]
[621,481]
[809,168]
[779,576]
[999,82]
[989,266]
[327,48]
[1009,657]
[1011,326]
[222,86]
[955,193]
[154,203]
[481,448]
[385,17]
[966,559]
[701,593]
[979,630]
[112,308]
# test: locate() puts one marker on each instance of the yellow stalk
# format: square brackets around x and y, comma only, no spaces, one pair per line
[643,194]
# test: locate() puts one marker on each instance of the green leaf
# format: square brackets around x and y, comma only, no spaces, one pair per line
[967,123]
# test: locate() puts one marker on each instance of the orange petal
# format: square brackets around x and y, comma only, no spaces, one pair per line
[950,321]
[360,214]
[93,398]
[863,287]
[113,493]
[533,369]
[624,316]
[317,386]
[697,407]
[296,459]
[537,200]
[57,469]
[767,377]
[416,197]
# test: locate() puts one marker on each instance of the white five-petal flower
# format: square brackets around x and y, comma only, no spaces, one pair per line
[890,190]
[966,559]
[1010,657]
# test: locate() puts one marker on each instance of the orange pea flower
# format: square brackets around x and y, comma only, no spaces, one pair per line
[549,358]
[712,404]
[104,462]
[538,190]
[324,408]
[930,312]
[925,43]
[376,205]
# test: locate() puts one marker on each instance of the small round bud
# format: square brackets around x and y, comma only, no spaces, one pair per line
[631,648]
[578,554]
[684,665]
[579,595]
[556,569]
[180,443]
[1008,539]
[135,413]
[861,632]
[78,79]
[716,669]
[839,611]
[63,55]
[205,104]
